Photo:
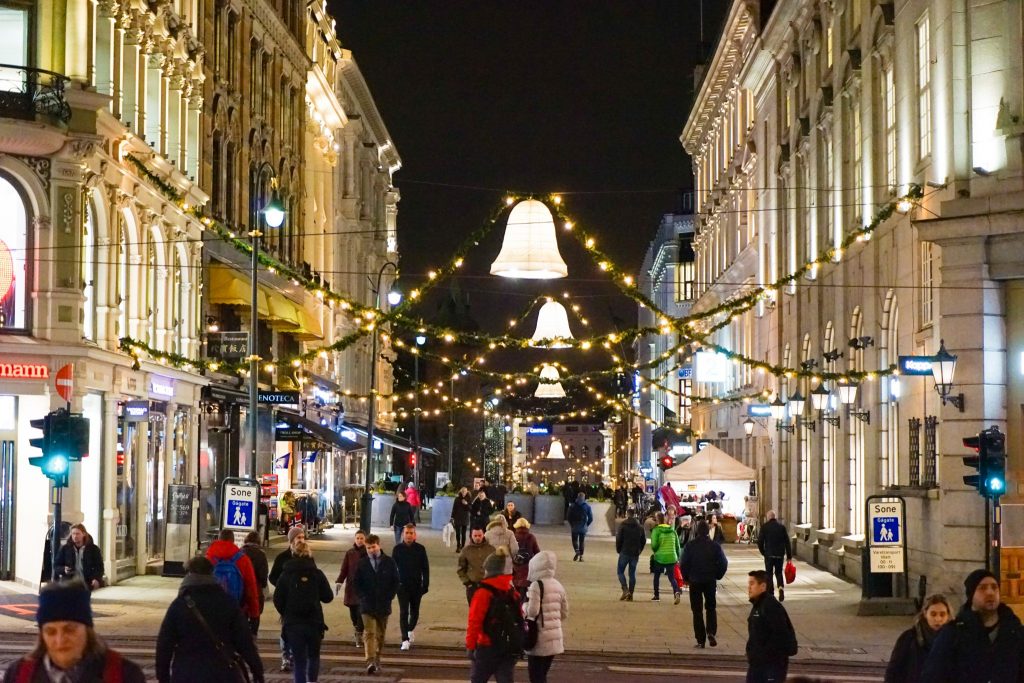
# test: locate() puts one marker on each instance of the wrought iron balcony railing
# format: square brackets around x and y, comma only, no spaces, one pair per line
[27,93]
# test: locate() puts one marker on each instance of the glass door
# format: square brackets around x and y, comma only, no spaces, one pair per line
[156,480]
[125,473]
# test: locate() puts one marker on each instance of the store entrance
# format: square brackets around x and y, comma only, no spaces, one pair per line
[6,509]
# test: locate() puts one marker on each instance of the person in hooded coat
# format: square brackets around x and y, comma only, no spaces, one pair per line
[498,534]
[528,548]
[580,517]
[912,647]
[547,602]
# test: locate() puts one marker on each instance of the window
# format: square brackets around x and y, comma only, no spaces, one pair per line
[14,268]
[805,444]
[927,283]
[889,102]
[829,41]
[15,30]
[89,273]
[924,89]
[857,164]
[827,193]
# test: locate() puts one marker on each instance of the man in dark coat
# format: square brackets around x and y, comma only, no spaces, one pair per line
[480,510]
[80,558]
[629,543]
[297,534]
[347,576]
[185,651]
[376,586]
[773,543]
[703,564]
[413,582]
[984,643]
[261,569]
[771,640]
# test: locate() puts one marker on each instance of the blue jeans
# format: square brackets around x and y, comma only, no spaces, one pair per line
[398,533]
[577,541]
[627,561]
[670,570]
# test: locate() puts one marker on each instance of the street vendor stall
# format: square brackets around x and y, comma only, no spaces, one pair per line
[712,469]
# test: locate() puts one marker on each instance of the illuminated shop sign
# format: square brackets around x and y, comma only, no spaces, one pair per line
[537,430]
[136,411]
[279,397]
[161,386]
[759,410]
[24,371]
[916,365]
[710,366]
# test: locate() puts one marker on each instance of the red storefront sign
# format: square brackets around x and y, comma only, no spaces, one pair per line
[24,371]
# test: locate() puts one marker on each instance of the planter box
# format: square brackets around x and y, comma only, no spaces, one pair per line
[441,511]
[604,519]
[548,510]
[380,512]
[524,504]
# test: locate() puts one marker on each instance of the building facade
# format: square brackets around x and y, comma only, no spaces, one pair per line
[898,124]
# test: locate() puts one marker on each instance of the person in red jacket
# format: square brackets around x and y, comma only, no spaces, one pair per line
[487,661]
[224,548]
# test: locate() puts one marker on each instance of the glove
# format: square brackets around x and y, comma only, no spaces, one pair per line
[337,589]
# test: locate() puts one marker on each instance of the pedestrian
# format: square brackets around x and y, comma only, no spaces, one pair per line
[715,530]
[413,497]
[510,514]
[548,604]
[413,582]
[299,597]
[460,517]
[261,569]
[47,573]
[499,491]
[638,498]
[202,631]
[297,534]
[621,500]
[703,565]
[480,510]
[81,559]
[67,647]
[376,586]
[664,557]
[494,622]
[771,639]
[912,647]
[580,517]
[347,576]
[984,643]
[233,570]
[287,511]
[471,562]
[499,535]
[630,541]
[528,548]
[568,496]
[773,543]
[402,513]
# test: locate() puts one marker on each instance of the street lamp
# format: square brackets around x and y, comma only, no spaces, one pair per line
[273,215]
[394,298]
[943,367]
[820,398]
[796,409]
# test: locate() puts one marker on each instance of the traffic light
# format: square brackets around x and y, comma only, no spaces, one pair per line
[666,462]
[994,481]
[975,462]
[69,434]
[54,462]
[412,459]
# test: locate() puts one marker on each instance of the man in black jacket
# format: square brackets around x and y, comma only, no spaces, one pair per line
[984,643]
[629,543]
[376,586]
[296,535]
[80,558]
[703,565]
[413,582]
[771,640]
[773,543]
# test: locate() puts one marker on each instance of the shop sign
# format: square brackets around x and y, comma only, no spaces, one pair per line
[287,432]
[24,371]
[537,430]
[759,410]
[280,398]
[136,411]
[161,386]
[711,366]
[227,345]
[916,365]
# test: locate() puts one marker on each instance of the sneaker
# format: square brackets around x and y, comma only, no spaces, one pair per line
[371,669]
[629,597]
[782,595]
[359,638]
[286,664]
[655,599]
[576,557]
[412,637]
[406,645]
[581,558]
[625,594]
[699,646]
[676,598]
[712,641]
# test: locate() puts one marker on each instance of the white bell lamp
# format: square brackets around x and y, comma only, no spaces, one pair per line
[530,248]
[549,389]
[552,327]
[555,451]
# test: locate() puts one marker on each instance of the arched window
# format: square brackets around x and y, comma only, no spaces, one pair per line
[89,273]
[856,444]
[14,264]
[828,452]
[805,446]
[889,407]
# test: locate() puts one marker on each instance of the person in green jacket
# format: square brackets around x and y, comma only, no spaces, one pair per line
[664,555]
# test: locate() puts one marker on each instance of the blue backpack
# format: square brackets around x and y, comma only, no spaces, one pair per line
[229,577]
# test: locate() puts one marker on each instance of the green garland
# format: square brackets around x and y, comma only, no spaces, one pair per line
[165,188]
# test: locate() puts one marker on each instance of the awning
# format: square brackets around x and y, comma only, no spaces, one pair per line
[387,438]
[229,287]
[318,431]
[309,325]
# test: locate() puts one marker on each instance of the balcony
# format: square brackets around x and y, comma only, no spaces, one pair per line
[34,111]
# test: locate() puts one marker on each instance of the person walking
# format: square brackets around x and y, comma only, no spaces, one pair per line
[80,559]
[402,513]
[412,496]
[296,534]
[664,556]
[580,517]
[548,604]
[771,639]
[510,514]
[376,586]
[912,647]
[301,592]
[528,549]
[493,607]
[715,530]
[774,545]
[480,510]
[621,499]
[202,631]
[630,541]
[67,647]
[261,569]
[347,576]
[460,518]
[413,582]
[471,562]
[234,572]
[984,643]
[703,565]
[499,534]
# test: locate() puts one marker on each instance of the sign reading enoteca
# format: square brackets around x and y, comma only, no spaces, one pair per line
[280,398]
[887,545]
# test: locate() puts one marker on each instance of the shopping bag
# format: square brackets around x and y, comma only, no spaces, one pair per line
[447,534]
[790,572]
[679,576]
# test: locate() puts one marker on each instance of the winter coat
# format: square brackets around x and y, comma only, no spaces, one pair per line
[768,632]
[471,562]
[717,535]
[376,589]
[460,511]
[347,575]
[225,550]
[92,562]
[583,515]
[184,651]
[630,539]
[475,636]
[279,562]
[664,544]
[499,535]
[527,542]
[554,605]
[260,567]
[412,496]
[301,569]
[773,540]
[402,513]
[413,567]
[511,519]
[480,511]
[91,668]
[909,655]
[703,561]
[962,651]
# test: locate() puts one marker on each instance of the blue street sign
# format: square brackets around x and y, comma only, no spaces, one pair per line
[241,512]
[885,530]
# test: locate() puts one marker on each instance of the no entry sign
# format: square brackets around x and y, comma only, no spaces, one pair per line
[65,381]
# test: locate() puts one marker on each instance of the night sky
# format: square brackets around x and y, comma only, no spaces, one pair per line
[584,98]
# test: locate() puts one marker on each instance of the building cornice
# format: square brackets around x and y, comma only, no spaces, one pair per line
[353,81]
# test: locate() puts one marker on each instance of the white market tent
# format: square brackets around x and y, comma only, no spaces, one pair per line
[710,464]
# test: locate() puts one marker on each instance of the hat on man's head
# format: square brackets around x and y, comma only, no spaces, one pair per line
[295,531]
[497,563]
[974,579]
[64,602]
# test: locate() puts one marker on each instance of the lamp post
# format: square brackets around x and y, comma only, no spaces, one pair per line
[273,215]
[943,367]
[394,298]
[420,341]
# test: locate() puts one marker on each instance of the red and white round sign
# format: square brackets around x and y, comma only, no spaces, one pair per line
[65,381]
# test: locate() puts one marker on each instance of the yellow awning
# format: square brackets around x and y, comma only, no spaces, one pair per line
[310,327]
[229,287]
[283,313]
[226,286]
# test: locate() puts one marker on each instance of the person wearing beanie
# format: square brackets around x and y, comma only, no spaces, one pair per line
[471,562]
[580,517]
[296,535]
[68,647]
[489,660]
[984,643]
[376,586]
[703,564]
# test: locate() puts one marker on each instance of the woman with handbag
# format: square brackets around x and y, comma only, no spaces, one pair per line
[204,636]
[460,518]
[546,607]
[299,596]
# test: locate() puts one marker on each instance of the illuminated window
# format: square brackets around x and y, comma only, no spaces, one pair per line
[13,262]
[889,89]
[857,170]
[924,88]
[828,46]
[927,283]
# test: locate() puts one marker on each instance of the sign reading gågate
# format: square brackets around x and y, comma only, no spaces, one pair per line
[240,507]
[886,542]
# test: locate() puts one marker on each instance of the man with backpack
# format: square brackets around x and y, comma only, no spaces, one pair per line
[233,571]
[296,535]
[771,639]
[495,631]
[413,582]
[580,517]
[376,586]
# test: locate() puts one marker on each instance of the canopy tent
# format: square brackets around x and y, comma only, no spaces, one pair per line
[710,464]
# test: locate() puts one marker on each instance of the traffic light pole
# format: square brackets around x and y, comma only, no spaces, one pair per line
[995,540]
[58,496]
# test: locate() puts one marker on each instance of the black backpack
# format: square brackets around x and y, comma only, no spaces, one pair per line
[303,594]
[576,514]
[504,623]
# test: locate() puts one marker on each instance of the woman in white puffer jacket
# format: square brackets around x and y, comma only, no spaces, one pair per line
[549,612]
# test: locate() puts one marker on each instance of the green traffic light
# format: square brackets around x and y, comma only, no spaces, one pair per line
[995,484]
[56,464]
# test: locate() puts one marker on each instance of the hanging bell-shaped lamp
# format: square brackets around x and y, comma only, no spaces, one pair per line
[551,389]
[555,451]
[530,249]
[552,327]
